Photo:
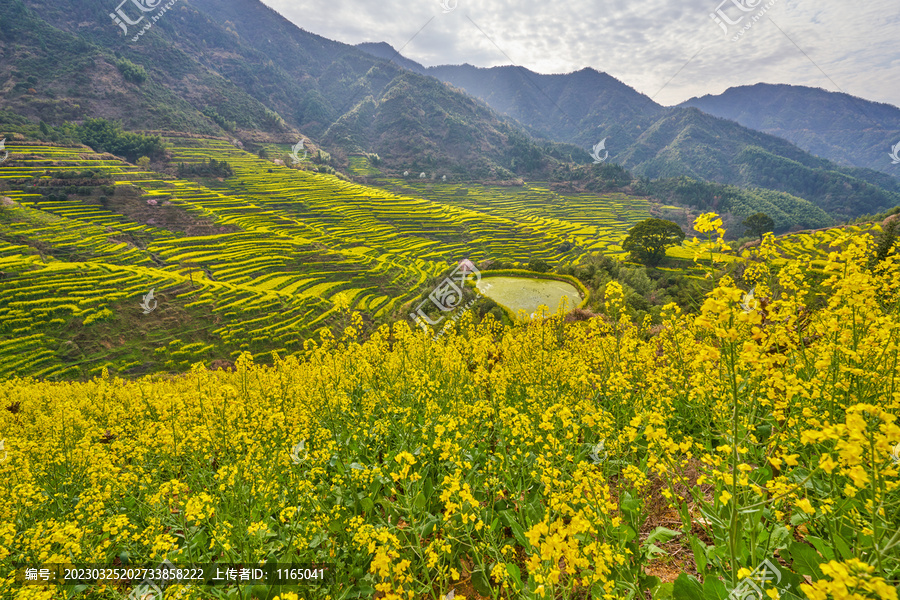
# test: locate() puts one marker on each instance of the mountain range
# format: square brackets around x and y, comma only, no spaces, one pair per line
[238,70]
[745,137]
[842,128]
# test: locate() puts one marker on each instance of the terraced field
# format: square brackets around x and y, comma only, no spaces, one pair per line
[260,261]
[815,246]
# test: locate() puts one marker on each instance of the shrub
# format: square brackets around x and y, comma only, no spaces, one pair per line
[132,72]
[538,266]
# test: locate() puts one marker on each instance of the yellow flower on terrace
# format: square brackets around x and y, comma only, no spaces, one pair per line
[827,463]
[805,505]
[260,527]
[199,507]
[851,579]
[406,460]
[535,533]
[709,222]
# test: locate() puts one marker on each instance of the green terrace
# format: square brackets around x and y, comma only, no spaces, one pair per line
[259,261]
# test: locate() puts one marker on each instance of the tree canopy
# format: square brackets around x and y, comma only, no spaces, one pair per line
[108,136]
[759,224]
[647,241]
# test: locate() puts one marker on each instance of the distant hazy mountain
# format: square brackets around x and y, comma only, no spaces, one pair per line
[587,106]
[842,128]
[578,108]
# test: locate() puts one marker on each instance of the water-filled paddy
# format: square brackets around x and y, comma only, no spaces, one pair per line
[522,293]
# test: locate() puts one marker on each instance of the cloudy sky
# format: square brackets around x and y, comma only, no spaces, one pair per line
[670,50]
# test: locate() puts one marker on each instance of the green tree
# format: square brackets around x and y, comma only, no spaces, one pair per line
[107,136]
[538,266]
[647,241]
[759,224]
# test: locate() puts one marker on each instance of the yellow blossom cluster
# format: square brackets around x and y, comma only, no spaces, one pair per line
[525,460]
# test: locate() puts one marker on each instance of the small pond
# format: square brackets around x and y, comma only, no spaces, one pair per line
[522,293]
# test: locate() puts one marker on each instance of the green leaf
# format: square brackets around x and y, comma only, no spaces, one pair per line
[713,588]
[842,548]
[628,533]
[367,505]
[663,591]
[515,574]
[420,502]
[361,591]
[661,535]
[629,504]
[427,526]
[780,538]
[481,583]
[649,581]
[806,560]
[699,550]
[428,487]
[519,533]
[823,548]
[653,551]
[687,588]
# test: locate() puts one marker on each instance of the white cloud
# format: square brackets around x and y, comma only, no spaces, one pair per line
[669,50]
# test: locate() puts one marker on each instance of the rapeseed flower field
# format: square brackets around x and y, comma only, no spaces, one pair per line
[750,449]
